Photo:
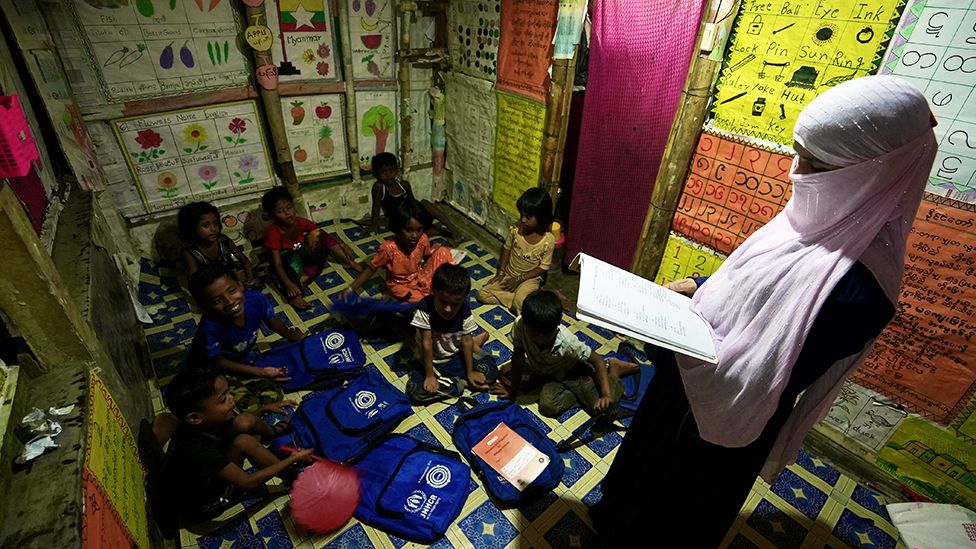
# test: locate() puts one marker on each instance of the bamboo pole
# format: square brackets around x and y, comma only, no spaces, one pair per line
[275,119]
[548,180]
[352,124]
[677,154]
[406,117]
[565,107]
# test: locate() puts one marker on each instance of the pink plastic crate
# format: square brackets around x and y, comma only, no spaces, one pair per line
[17,147]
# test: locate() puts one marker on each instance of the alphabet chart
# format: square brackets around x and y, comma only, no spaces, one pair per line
[935,49]
[731,191]
[784,53]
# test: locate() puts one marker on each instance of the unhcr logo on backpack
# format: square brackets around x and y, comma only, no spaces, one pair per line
[415,501]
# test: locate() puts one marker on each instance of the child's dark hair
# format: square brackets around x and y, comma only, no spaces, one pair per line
[189,217]
[188,390]
[204,277]
[383,160]
[542,311]
[271,198]
[452,279]
[537,202]
[407,210]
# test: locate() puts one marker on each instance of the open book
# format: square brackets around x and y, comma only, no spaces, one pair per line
[628,304]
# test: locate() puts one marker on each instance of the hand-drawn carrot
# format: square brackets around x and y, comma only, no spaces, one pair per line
[116,56]
[145,7]
[213,4]
[199,4]
[133,56]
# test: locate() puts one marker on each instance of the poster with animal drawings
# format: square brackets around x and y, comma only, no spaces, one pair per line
[784,53]
[152,48]
[316,135]
[935,49]
[195,154]
[305,46]
[473,29]
[371,26]
[378,118]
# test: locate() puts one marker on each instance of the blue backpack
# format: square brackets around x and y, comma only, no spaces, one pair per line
[411,489]
[343,422]
[473,425]
[320,360]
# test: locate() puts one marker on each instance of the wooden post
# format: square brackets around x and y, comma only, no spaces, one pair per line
[406,118]
[677,154]
[274,117]
[564,110]
[352,124]
[563,73]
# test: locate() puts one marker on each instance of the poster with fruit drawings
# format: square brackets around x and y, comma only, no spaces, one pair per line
[473,28]
[372,39]
[206,153]
[305,45]
[377,115]
[152,48]
[316,135]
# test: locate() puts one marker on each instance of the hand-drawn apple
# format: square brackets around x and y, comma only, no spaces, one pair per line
[326,146]
[323,111]
[377,122]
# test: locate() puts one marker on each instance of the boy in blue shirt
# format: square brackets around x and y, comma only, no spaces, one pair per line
[228,331]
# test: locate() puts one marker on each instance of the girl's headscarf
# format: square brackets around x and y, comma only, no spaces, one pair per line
[761,303]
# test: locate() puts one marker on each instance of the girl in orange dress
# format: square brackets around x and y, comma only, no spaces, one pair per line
[408,258]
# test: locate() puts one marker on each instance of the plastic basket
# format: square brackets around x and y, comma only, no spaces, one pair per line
[17,147]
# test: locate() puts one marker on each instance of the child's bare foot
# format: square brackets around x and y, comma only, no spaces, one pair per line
[620,368]
[299,303]
[479,340]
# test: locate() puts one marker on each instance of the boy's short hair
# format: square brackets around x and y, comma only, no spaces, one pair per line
[536,201]
[189,217]
[407,210]
[452,279]
[271,198]
[204,277]
[542,311]
[383,160]
[189,389]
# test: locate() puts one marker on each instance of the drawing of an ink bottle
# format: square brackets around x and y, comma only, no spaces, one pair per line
[759,106]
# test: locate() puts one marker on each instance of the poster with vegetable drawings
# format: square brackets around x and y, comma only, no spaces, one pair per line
[378,118]
[195,154]
[473,29]
[152,48]
[372,39]
[784,53]
[305,46]
[935,49]
[471,118]
[316,135]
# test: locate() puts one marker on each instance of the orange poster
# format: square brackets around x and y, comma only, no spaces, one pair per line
[525,52]
[926,357]
[732,189]
[101,527]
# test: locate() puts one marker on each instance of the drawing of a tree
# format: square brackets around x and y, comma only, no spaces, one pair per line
[378,121]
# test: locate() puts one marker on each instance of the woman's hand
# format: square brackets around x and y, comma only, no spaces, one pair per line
[686,286]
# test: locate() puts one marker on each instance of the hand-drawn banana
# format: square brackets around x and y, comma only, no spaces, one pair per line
[367,26]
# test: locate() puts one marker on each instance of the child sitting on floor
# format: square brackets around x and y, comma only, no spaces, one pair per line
[298,247]
[227,334]
[200,230]
[202,472]
[546,350]
[408,257]
[390,191]
[526,255]
[445,340]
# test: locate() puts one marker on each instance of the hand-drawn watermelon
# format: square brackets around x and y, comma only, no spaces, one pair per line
[372,41]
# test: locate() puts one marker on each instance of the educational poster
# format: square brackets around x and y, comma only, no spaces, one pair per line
[784,53]
[304,47]
[420,127]
[569,28]
[525,51]
[935,49]
[931,462]
[683,259]
[316,135]
[732,189]
[471,115]
[473,29]
[926,357]
[149,48]
[863,417]
[518,148]
[196,154]
[371,26]
[379,124]
[101,526]
[112,460]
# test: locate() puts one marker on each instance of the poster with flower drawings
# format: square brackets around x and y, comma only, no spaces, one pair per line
[195,154]
[316,135]
[305,48]
[372,39]
[378,118]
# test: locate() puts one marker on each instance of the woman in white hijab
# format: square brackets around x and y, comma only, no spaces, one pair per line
[793,310]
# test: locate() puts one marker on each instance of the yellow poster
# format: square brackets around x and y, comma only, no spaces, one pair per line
[111,457]
[686,259]
[786,52]
[518,148]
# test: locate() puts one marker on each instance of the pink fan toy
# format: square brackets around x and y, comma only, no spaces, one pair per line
[324,495]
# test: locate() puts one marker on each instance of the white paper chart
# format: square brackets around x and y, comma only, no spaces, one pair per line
[934,47]
[316,135]
[379,124]
[371,36]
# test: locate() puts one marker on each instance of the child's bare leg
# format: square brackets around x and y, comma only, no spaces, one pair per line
[248,423]
[250,448]
[622,368]
[479,340]
[435,212]
[348,258]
